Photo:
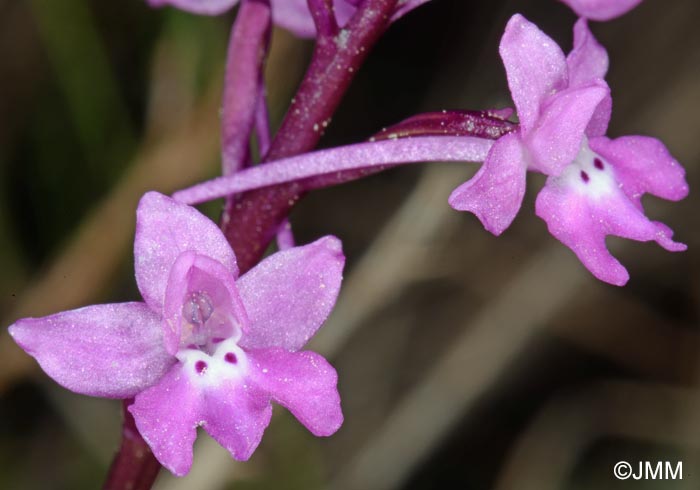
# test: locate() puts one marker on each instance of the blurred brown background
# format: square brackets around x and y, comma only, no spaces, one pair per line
[465,360]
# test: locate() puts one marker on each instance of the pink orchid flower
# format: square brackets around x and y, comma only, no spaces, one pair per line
[595,184]
[206,347]
[558,101]
[601,9]
[292,15]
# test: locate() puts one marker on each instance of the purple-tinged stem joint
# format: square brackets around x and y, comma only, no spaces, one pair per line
[255,218]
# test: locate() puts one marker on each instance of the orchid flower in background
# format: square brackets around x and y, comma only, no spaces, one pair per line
[595,184]
[601,9]
[292,15]
[206,347]
[558,100]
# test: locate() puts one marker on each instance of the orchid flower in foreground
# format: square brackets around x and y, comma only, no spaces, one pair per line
[601,9]
[292,15]
[595,184]
[206,348]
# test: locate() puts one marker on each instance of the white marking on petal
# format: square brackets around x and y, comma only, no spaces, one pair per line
[584,177]
[218,369]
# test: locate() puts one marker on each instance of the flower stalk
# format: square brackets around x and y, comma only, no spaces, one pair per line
[251,224]
[333,166]
[134,467]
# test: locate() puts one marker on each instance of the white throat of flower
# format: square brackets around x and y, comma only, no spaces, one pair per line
[589,174]
[209,350]
[227,362]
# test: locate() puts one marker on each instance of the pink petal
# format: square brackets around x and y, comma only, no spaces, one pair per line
[203,282]
[560,130]
[581,214]
[405,6]
[290,294]
[568,221]
[164,229]
[111,351]
[202,7]
[302,382]
[294,15]
[285,236]
[535,66]
[496,192]
[643,165]
[237,416]
[601,9]
[402,7]
[588,60]
[598,125]
[168,414]
[504,113]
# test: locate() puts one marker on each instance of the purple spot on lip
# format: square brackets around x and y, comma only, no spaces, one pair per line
[585,177]
[231,357]
[598,164]
[200,367]
[217,340]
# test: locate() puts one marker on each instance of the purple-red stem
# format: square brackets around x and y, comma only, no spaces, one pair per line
[256,216]
[482,124]
[134,467]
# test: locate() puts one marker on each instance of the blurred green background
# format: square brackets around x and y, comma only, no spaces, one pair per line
[465,360]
